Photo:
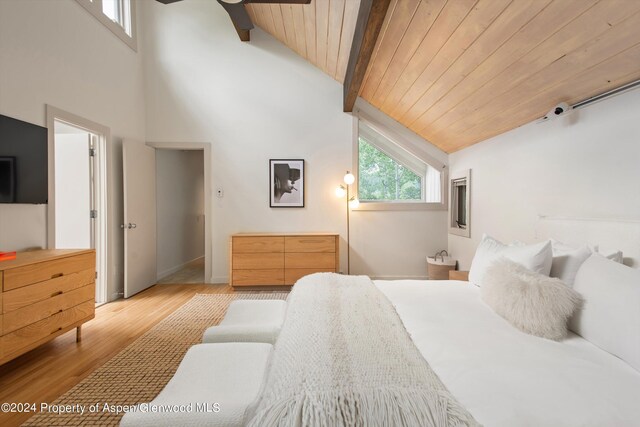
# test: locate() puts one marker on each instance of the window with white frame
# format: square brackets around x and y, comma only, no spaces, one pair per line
[117,15]
[119,11]
[459,218]
[389,173]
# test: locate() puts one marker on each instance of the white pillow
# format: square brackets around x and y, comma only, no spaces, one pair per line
[536,257]
[610,316]
[567,260]
[615,256]
[534,303]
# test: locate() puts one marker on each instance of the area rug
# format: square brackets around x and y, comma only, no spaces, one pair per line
[140,371]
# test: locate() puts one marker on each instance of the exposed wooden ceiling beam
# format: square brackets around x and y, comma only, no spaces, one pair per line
[245,35]
[279,1]
[240,17]
[370,18]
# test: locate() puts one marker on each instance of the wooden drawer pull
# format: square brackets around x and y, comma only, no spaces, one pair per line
[53,276]
[56,293]
[56,331]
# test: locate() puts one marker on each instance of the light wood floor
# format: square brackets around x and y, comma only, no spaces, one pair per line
[47,372]
[190,273]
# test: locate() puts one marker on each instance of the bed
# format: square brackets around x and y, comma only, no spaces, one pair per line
[504,377]
[353,351]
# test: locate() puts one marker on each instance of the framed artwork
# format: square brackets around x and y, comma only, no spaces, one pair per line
[286,183]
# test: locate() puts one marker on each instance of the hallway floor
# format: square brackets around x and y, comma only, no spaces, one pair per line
[191,273]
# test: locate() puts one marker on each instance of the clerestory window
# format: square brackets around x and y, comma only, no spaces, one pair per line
[117,15]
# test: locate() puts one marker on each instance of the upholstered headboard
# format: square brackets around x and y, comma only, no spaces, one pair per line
[609,234]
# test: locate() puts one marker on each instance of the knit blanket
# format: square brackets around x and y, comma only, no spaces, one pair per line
[344,358]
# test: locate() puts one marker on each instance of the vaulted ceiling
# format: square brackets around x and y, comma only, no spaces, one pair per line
[321,32]
[457,72]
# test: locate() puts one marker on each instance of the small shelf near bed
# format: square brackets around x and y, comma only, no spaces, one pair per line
[459,275]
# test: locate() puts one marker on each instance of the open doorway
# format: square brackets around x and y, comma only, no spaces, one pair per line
[77,211]
[180,199]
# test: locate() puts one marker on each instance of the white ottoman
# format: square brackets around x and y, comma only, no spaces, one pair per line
[224,377]
[249,321]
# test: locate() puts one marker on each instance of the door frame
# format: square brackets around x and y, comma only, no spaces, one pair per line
[102,196]
[208,192]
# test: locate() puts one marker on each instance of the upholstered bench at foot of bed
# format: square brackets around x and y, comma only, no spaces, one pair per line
[249,321]
[213,386]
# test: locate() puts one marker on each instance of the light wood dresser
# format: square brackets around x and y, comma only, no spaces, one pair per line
[269,259]
[44,294]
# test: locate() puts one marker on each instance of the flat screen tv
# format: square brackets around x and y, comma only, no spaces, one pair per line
[23,162]
[7,179]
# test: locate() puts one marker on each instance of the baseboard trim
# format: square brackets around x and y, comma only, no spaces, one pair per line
[399,277]
[225,279]
[172,270]
[219,280]
[116,295]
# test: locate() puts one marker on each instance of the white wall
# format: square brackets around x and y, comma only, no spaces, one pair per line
[581,171]
[180,208]
[73,193]
[259,100]
[393,245]
[55,52]
[22,227]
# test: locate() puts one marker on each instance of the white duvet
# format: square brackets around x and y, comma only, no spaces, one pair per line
[505,377]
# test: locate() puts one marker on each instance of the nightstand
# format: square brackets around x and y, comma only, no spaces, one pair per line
[459,275]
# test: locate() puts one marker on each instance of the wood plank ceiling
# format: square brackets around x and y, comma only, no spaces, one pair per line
[321,32]
[457,72]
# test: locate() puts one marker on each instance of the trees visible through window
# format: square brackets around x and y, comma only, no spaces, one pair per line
[383,178]
[389,173]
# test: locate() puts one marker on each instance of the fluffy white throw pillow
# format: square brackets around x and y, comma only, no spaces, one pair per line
[536,257]
[534,303]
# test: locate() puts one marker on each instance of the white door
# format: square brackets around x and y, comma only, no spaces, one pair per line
[139,179]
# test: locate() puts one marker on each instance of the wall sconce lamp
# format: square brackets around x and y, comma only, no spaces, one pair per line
[351,203]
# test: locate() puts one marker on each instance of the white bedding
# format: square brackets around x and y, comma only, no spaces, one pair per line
[504,377]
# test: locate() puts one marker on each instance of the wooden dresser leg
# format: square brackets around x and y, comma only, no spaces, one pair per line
[79,333]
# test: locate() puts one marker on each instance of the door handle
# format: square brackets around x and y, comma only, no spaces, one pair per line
[129,226]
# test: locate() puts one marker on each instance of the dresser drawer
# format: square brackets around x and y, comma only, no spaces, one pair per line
[310,260]
[258,277]
[28,295]
[258,261]
[292,275]
[257,244]
[41,271]
[23,337]
[41,310]
[310,244]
